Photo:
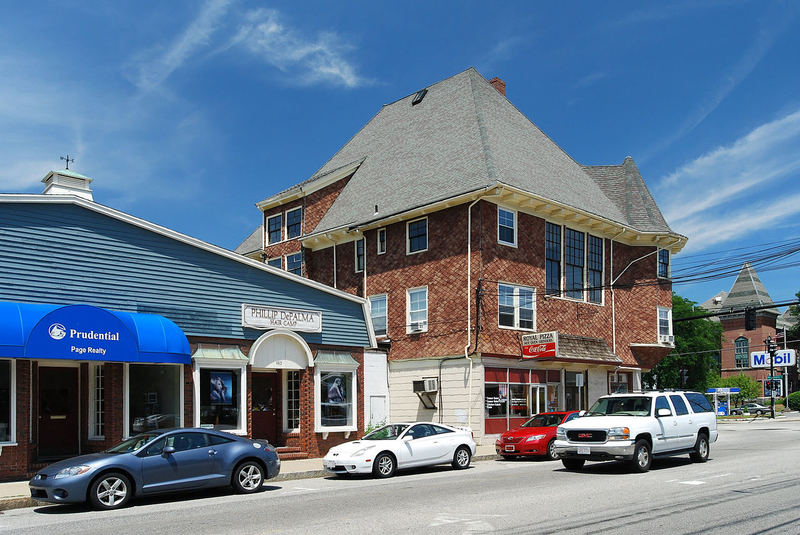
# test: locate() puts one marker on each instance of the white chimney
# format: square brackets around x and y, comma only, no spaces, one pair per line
[66,182]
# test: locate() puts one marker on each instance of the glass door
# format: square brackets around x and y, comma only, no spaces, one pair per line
[538,399]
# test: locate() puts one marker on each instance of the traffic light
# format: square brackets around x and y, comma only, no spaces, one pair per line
[772,347]
[749,319]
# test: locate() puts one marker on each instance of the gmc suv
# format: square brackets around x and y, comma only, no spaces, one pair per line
[637,427]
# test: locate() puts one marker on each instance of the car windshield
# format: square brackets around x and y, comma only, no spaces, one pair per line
[624,405]
[388,432]
[544,420]
[133,443]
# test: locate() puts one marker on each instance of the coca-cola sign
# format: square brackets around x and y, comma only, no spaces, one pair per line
[540,345]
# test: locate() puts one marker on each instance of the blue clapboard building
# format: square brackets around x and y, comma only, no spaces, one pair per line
[111,325]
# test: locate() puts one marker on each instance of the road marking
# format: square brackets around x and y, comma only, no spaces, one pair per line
[693,482]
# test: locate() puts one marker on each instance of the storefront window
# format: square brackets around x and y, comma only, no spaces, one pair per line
[292,404]
[5,400]
[154,397]
[496,400]
[336,399]
[518,406]
[220,398]
[97,411]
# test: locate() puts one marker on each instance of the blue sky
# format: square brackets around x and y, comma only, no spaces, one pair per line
[186,113]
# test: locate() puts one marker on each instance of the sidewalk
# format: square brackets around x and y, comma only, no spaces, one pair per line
[15,494]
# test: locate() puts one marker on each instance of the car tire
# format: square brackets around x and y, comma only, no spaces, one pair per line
[551,454]
[110,491]
[248,477]
[642,456]
[573,464]
[759,412]
[461,458]
[384,465]
[701,449]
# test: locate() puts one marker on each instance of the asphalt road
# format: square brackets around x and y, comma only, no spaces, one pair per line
[749,485]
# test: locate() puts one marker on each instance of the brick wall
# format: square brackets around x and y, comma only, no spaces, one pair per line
[15,460]
[733,328]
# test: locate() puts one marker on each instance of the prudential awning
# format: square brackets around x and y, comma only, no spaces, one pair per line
[84,332]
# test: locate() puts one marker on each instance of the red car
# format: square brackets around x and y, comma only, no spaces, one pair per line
[534,437]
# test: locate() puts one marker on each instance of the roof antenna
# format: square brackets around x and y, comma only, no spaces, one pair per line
[68,160]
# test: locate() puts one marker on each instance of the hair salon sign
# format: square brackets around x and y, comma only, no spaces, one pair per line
[540,345]
[263,317]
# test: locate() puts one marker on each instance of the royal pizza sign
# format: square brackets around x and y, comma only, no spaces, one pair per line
[540,345]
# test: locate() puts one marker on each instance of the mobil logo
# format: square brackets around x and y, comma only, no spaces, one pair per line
[784,357]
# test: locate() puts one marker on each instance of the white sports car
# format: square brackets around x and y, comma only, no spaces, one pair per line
[398,446]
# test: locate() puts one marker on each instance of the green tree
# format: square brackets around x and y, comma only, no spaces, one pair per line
[794,332]
[692,365]
[749,388]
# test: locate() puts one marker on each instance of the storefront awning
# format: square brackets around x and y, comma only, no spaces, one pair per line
[583,349]
[218,352]
[84,332]
[339,358]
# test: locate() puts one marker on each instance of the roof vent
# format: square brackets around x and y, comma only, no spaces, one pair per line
[419,96]
[67,182]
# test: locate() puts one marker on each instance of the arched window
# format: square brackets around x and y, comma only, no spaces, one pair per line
[742,352]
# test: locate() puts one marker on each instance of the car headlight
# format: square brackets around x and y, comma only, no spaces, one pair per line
[619,433]
[534,438]
[561,434]
[72,471]
[362,451]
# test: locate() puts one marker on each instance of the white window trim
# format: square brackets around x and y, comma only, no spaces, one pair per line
[516,226]
[126,405]
[318,369]
[286,262]
[658,321]
[363,254]
[12,424]
[516,326]
[378,240]
[658,264]
[562,276]
[427,236]
[275,258]
[219,364]
[285,388]
[92,399]
[408,309]
[283,221]
[285,229]
[369,300]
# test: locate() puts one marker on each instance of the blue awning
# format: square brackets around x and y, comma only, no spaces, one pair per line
[84,332]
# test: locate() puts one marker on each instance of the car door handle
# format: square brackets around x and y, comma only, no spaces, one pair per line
[674,422]
[212,452]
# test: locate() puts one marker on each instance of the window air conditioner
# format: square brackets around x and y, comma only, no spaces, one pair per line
[431,385]
[419,386]
[666,338]
[417,326]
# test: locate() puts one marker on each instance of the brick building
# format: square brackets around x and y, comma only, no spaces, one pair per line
[467,228]
[111,325]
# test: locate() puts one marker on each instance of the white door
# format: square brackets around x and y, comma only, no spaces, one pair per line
[538,399]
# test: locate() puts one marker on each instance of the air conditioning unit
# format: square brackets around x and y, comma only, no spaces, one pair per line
[431,385]
[419,386]
[666,338]
[417,326]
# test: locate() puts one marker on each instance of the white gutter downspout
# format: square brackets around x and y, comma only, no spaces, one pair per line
[469,295]
[613,281]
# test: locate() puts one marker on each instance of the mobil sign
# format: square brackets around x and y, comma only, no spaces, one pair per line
[540,345]
[783,357]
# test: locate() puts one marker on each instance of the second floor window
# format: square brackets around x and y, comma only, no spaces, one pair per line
[573,263]
[663,263]
[664,321]
[595,269]
[742,352]
[506,227]
[553,259]
[515,308]
[275,229]
[377,307]
[381,241]
[418,310]
[417,235]
[360,255]
[294,263]
[293,220]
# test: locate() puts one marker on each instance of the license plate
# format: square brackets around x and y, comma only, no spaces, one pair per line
[509,448]
[583,450]
[331,464]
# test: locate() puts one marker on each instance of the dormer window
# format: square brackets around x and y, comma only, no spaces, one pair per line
[419,96]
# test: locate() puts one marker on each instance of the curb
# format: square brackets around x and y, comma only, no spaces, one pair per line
[19,502]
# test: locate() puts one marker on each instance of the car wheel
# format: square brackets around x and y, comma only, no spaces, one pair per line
[509,457]
[642,459]
[110,491]
[248,477]
[384,465]
[551,451]
[573,464]
[461,458]
[701,449]
[759,412]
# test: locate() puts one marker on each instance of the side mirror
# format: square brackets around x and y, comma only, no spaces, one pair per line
[663,412]
[167,451]
[582,413]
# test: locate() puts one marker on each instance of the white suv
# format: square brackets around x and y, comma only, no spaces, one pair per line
[637,427]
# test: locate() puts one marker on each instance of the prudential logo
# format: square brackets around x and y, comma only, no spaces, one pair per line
[57,331]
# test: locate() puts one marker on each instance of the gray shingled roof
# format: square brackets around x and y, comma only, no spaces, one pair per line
[584,348]
[465,136]
[748,290]
[253,243]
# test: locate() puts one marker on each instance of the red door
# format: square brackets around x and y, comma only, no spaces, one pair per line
[58,412]
[265,423]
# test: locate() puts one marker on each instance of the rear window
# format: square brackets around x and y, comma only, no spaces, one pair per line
[698,402]
[680,406]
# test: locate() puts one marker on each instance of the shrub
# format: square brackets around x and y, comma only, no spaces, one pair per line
[794,401]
